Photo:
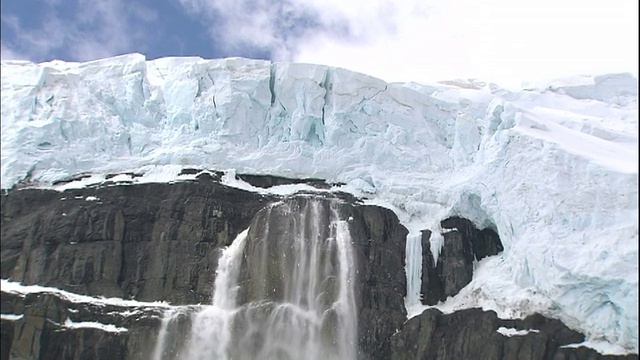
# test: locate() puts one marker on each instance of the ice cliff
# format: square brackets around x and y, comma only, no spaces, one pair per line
[553,169]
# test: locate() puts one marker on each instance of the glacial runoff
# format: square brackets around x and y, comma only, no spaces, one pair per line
[553,169]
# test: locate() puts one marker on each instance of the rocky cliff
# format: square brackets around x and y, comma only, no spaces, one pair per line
[149,242]
[103,257]
[158,242]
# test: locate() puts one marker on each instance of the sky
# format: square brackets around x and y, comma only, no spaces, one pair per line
[510,43]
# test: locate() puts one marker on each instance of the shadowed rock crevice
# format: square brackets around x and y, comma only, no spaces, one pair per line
[267,181]
[483,242]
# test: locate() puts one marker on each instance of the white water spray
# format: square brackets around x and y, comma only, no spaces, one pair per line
[346,306]
[211,332]
[413,270]
[162,335]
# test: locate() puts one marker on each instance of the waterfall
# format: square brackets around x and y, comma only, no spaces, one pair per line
[162,335]
[284,289]
[211,332]
[165,346]
[413,270]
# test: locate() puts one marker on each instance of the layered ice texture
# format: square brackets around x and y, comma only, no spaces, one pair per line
[553,169]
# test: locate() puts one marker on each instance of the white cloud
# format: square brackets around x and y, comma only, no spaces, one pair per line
[8,53]
[96,29]
[502,41]
[273,26]
[506,42]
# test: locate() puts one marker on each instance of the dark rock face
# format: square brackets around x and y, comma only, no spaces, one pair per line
[456,263]
[379,252]
[6,338]
[266,181]
[52,327]
[463,243]
[473,334]
[432,287]
[483,242]
[486,243]
[149,242]
[162,242]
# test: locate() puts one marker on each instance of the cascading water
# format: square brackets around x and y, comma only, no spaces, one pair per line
[162,336]
[413,270]
[211,329]
[175,323]
[284,289]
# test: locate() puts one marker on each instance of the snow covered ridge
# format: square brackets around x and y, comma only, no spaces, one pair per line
[552,168]
[12,287]
[93,325]
[509,332]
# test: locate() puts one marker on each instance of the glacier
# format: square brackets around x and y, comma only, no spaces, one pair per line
[552,168]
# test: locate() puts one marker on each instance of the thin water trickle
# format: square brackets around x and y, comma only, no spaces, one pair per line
[413,269]
[162,335]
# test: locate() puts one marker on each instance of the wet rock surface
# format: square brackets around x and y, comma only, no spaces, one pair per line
[378,244]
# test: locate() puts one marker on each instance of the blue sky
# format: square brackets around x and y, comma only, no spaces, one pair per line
[79,30]
[508,42]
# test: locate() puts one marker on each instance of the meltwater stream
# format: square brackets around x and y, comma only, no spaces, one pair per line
[283,290]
